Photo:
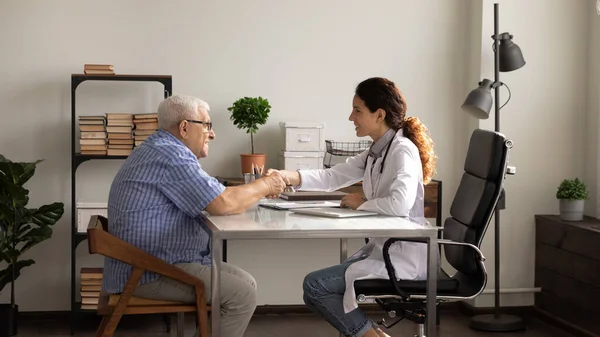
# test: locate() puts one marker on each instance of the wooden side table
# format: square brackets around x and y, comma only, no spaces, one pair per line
[567,268]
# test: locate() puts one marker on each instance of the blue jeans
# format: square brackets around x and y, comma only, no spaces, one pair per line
[323,293]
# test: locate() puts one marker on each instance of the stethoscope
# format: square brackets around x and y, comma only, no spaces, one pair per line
[373,186]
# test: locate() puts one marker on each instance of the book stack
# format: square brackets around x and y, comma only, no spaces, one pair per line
[92,140]
[119,128]
[91,285]
[98,69]
[145,125]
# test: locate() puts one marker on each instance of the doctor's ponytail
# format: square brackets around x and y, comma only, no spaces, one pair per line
[417,132]
[381,93]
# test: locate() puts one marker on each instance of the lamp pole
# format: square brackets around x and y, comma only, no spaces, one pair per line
[496,70]
[511,59]
[502,195]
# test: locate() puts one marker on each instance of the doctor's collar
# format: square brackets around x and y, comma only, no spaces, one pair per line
[377,147]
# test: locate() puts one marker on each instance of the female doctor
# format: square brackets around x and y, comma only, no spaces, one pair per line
[395,168]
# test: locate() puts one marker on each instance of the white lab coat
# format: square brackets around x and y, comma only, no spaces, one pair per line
[397,191]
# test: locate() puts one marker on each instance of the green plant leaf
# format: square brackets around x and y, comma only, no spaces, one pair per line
[12,171]
[34,236]
[3,253]
[572,189]
[14,193]
[249,113]
[18,173]
[46,215]
[7,274]
[7,216]
[21,228]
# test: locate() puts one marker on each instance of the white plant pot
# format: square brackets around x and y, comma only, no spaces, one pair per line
[571,210]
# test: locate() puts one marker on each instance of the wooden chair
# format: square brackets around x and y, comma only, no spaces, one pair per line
[114,306]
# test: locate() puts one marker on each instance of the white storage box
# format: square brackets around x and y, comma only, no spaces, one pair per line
[85,210]
[300,160]
[300,136]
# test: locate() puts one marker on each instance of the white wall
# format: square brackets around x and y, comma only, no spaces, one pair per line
[306,58]
[592,166]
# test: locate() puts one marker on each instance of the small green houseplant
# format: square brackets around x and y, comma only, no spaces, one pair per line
[572,194]
[249,113]
[21,228]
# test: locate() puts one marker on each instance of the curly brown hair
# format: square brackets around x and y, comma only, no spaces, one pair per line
[381,93]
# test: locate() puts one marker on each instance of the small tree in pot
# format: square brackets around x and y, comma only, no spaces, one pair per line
[572,194]
[249,113]
[21,228]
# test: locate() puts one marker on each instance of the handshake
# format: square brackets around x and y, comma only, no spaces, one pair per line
[277,181]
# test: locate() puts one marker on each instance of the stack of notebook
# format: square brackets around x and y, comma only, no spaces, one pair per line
[91,285]
[313,196]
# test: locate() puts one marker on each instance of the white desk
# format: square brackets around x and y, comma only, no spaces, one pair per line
[263,223]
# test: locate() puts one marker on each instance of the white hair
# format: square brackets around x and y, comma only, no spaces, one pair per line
[176,108]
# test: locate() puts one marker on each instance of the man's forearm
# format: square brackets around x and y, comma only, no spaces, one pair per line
[237,199]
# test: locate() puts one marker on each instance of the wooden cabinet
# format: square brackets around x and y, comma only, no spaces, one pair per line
[567,268]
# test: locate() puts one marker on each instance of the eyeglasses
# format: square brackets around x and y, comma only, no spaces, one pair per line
[208,124]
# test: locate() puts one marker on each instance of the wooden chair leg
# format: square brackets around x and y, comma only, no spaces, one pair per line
[180,324]
[167,319]
[201,313]
[102,327]
[117,312]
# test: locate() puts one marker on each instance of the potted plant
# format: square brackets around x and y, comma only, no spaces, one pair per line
[249,113]
[21,228]
[572,194]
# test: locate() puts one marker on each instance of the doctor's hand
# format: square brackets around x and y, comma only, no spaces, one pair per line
[352,201]
[276,183]
[293,177]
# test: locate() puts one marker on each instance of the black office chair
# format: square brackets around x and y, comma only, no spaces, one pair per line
[470,213]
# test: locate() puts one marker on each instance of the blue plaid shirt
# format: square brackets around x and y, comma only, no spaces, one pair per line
[155,202]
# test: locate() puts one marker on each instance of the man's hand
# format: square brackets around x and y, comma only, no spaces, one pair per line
[276,183]
[291,177]
[352,201]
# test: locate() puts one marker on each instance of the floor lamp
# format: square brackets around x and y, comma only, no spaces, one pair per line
[507,57]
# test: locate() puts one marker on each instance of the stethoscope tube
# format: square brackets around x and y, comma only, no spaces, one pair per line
[387,150]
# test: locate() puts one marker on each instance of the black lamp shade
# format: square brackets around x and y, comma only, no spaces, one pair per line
[479,101]
[510,54]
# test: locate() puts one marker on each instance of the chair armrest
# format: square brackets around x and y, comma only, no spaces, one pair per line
[101,242]
[456,243]
[390,268]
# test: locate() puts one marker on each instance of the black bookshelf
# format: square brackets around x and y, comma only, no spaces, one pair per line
[77,159]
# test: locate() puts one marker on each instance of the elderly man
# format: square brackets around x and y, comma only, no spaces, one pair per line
[155,203]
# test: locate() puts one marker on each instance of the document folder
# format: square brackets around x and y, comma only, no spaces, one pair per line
[310,195]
